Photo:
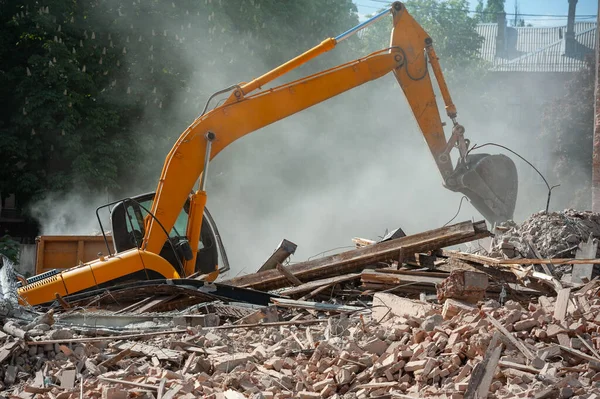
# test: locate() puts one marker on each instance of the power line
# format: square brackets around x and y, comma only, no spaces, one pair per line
[484,12]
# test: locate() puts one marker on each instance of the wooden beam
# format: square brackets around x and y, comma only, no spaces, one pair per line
[325,307]
[112,360]
[515,341]
[312,285]
[284,250]
[131,383]
[486,260]
[562,304]
[358,259]
[291,278]
[371,276]
[483,373]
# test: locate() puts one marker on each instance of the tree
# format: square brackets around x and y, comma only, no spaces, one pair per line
[93,93]
[61,124]
[452,29]
[479,11]
[491,10]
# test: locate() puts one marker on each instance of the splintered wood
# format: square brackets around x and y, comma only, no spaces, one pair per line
[352,261]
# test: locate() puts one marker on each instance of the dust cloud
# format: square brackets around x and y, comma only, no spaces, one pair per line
[71,213]
[354,166]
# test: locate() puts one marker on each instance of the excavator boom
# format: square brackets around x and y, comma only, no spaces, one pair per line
[250,107]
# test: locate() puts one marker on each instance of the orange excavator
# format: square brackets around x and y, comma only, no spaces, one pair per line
[169,234]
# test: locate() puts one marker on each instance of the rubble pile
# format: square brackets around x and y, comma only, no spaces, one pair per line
[554,234]
[400,347]
[400,318]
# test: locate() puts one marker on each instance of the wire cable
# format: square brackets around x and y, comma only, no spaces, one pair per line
[464,197]
[330,250]
[225,90]
[482,12]
[475,147]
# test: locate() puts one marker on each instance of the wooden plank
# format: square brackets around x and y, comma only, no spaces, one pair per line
[151,350]
[370,276]
[579,354]
[324,307]
[539,256]
[355,260]
[155,303]
[283,251]
[150,334]
[590,348]
[486,260]
[517,366]
[131,383]
[291,278]
[316,291]
[311,285]
[110,361]
[107,338]
[516,342]
[363,242]
[588,286]
[562,303]
[413,272]
[583,273]
[483,373]
[7,350]
[135,305]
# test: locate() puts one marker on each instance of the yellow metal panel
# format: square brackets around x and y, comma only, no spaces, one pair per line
[97,272]
[43,291]
[156,263]
[111,268]
[78,278]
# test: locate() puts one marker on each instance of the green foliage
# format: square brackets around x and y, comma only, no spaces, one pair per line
[9,248]
[89,89]
[479,10]
[491,10]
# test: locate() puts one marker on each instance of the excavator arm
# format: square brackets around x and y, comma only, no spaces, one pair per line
[244,112]
[250,107]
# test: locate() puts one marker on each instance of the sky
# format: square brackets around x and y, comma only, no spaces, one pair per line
[545,10]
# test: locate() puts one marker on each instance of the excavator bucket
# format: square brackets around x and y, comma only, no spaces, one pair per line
[491,184]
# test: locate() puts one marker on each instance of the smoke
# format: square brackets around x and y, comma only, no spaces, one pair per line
[354,166]
[71,213]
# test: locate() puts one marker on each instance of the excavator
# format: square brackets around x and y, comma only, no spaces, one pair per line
[169,234]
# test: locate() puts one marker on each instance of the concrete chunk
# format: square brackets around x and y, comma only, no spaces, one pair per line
[384,303]
[229,362]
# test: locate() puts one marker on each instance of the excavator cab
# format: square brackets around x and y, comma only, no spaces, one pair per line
[127,222]
[490,182]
